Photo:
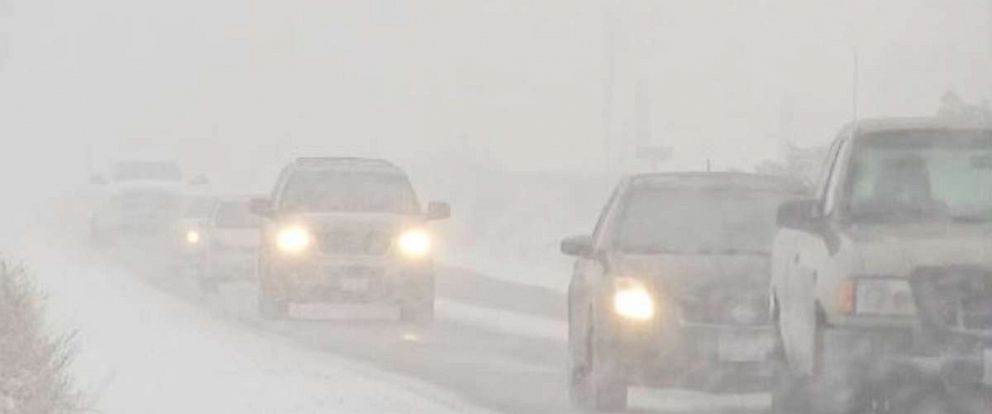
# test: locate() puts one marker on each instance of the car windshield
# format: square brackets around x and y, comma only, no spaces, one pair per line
[922,176]
[691,221]
[337,191]
[147,171]
[235,215]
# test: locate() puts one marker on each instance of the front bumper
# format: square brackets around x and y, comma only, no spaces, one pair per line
[351,279]
[900,358]
[703,356]
[883,353]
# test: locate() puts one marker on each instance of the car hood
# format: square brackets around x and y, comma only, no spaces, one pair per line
[898,250]
[373,221]
[698,273]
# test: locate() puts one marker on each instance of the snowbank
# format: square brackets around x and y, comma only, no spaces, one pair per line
[145,351]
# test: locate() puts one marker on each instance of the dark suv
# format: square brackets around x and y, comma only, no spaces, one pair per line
[346,230]
[671,288]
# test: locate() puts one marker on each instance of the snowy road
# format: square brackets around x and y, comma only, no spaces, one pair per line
[156,346]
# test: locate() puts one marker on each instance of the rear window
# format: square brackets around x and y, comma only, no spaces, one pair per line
[147,171]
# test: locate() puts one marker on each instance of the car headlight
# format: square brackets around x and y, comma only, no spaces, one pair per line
[293,240]
[877,296]
[193,237]
[414,243]
[632,300]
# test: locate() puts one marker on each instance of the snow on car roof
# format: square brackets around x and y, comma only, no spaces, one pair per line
[372,165]
[719,180]
[868,126]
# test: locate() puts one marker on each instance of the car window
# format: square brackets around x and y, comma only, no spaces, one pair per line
[695,221]
[835,178]
[922,176]
[826,168]
[341,191]
[599,231]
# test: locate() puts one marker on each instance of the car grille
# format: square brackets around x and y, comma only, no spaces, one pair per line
[355,242]
[955,298]
[726,308]
[148,206]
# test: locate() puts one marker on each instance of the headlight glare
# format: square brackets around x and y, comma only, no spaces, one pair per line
[883,297]
[192,237]
[632,300]
[293,240]
[415,243]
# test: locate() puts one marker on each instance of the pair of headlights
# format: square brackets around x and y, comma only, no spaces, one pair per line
[412,243]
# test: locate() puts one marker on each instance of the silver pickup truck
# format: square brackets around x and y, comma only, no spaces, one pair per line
[882,284]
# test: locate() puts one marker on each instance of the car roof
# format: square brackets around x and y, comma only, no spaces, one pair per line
[873,125]
[722,180]
[370,165]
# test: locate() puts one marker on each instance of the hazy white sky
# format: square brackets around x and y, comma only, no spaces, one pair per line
[236,87]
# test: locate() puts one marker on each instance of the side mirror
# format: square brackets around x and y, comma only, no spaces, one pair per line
[261,207]
[800,214]
[579,246]
[97,179]
[438,211]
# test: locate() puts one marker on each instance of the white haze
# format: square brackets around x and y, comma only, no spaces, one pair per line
[449,88]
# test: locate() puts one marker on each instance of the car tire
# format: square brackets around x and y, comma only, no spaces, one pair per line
[208,286]
[270,305]
[100,237]
[831,388]
[417,311]
[790,393]
[417,301]
[594,385]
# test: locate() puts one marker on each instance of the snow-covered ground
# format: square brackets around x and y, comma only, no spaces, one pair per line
[142,350]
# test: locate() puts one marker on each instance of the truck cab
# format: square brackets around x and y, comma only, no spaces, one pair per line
[881,283]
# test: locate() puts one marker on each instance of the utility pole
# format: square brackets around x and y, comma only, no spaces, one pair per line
[855,79]
[609,81]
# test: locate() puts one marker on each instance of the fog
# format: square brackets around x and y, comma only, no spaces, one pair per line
[521,86]
[521,114]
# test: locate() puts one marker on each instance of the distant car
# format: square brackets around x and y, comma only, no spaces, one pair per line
[139,197]
[671,287]
[346,230]
[185,234]
[882,283]
[222,245]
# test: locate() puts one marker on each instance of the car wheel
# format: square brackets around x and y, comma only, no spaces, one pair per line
[595,384]
[417,311]
[100,237]
[417,302]
[270,304]
[208,286]
[910,393]
[789,391]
